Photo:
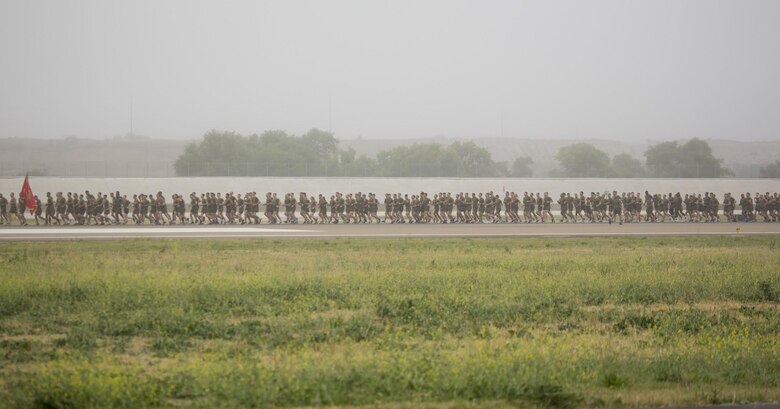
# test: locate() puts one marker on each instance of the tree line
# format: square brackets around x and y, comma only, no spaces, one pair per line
[692,159]
[317,153]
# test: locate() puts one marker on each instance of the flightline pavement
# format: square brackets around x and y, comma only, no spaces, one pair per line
[30,233]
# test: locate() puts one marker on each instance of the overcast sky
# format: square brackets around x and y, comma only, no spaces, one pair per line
[628,70]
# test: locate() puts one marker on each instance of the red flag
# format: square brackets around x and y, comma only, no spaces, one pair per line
[27,195]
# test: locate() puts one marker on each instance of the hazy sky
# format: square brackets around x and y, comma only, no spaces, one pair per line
[629,70]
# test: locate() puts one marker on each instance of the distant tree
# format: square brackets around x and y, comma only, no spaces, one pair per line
[583,160]
[771,170]
[693,159]
[420,159]
[476,161]
[324,143]
[272,153]
[664,160]
[352,165]
[521,167]
[465,159]
[626,166]
[316,153]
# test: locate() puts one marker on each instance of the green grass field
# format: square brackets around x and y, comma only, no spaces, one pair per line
[558,323]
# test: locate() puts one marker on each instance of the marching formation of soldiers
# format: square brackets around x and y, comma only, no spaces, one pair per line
[444,207]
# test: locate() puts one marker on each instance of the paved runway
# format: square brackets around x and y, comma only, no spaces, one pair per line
[382,231]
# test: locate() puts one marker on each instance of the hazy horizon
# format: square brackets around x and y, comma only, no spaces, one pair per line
[604,70]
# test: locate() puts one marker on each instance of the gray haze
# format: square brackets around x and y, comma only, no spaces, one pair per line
[628,70]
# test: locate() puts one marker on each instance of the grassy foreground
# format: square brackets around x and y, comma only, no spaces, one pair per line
[596,322]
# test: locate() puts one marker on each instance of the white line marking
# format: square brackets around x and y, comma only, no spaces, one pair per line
[134,231]
[389,235]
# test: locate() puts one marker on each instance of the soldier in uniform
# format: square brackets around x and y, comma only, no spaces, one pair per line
[444,207]
[106,209]
[474,208]
[480,208]
[241,208]
[116,207]
[575,207]
[447,207]
[772,205]
[220,212]
[373,208]
[333,212]
[458,204]
[20,209]
[587,207]
[507,201]
[125,208]
[426,207]
[230,208]
[539,207]
[749,207]
[256,208]
[649,211]
[70,208]
[136,209]
[388,202]
[760,207]
[675,206]
[289,208]
[397,208]
[360,210]
[436,208]
[250,213]
[562,204]
[512,209]
[728,207]
[691,208]
[99,209]
[79,209]
[60,205]
[628,206]
[269,208]
[714,208]
[361,207]
[4,219]
[468,206]
[404,208]
[490,208]
[304,201]
[545,205]
[350,206]
[50,214]
[616,209]
[277,208]
[217,204]
[182,209]
[38,210]
[499,206]
[313,210]
[415,213]
[145,204]
[322,209]
[511,204]
[155,212]
[528,207]
[194,209]
[89,207]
